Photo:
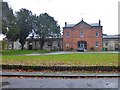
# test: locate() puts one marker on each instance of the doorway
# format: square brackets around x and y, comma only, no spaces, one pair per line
[82,44]
[30,46]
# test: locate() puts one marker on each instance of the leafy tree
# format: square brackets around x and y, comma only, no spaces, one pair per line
[34,28]
[9,25]
[7,17]
[0,17]
[4,44]
[13,34]
[46,27]
[24,21]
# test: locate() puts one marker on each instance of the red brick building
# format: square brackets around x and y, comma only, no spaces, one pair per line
[82,34]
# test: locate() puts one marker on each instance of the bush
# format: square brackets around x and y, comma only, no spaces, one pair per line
[63,68]
[92,49]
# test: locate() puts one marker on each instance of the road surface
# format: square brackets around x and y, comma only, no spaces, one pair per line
[60,83]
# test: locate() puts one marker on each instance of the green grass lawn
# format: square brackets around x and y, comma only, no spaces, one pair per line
[15,52]
[98,59]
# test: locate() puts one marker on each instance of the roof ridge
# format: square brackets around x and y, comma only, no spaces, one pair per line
[90,24]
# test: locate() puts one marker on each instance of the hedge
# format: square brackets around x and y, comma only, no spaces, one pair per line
[63,68]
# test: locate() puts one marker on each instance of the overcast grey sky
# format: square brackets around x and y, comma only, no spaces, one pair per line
[72,11]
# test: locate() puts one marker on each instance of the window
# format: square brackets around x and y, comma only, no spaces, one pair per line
[67,45]
[106,44]
[58,44]
[81,34]
[49,44]
[97,44]
[97,34]
[67,34]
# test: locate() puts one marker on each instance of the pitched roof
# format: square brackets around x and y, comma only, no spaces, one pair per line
[91,24]
[94,24]
[111,37]
[70,25]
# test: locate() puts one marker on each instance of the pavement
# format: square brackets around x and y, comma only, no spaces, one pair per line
[110,82]
[48,73]
[69,52]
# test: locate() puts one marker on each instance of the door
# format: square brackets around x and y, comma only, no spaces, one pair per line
[82,44]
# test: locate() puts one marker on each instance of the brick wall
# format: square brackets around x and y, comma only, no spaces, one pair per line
[89,36]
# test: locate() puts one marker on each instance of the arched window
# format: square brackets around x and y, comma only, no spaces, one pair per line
[81,34]
[67,45]
[97,44]
[97,34]
[67,34]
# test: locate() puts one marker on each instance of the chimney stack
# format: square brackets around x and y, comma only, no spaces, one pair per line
[65,24]
[99,22]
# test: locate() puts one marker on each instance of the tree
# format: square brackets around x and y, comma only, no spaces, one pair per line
[13,34]
[0,17]
[24,21]
[9,25]
[46,27]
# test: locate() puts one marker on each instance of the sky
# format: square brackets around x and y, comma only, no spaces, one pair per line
[72,11]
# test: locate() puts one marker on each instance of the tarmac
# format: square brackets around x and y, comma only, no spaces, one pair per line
[107,83]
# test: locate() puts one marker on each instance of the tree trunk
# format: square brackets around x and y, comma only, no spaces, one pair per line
[22,47]
[41,44]
[22,42]
[41,47]
[12,45]
[35,46]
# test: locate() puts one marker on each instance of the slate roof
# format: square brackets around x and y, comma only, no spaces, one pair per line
[111,37]
[91,24]
[94,24]
[70,25]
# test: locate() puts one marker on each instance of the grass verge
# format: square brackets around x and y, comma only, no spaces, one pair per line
[16,52]
[98,59]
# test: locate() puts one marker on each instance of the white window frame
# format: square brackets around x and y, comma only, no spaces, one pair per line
[67,45]
[97,44]
[106,43]
[67,34]
[97,34]
[81,34]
